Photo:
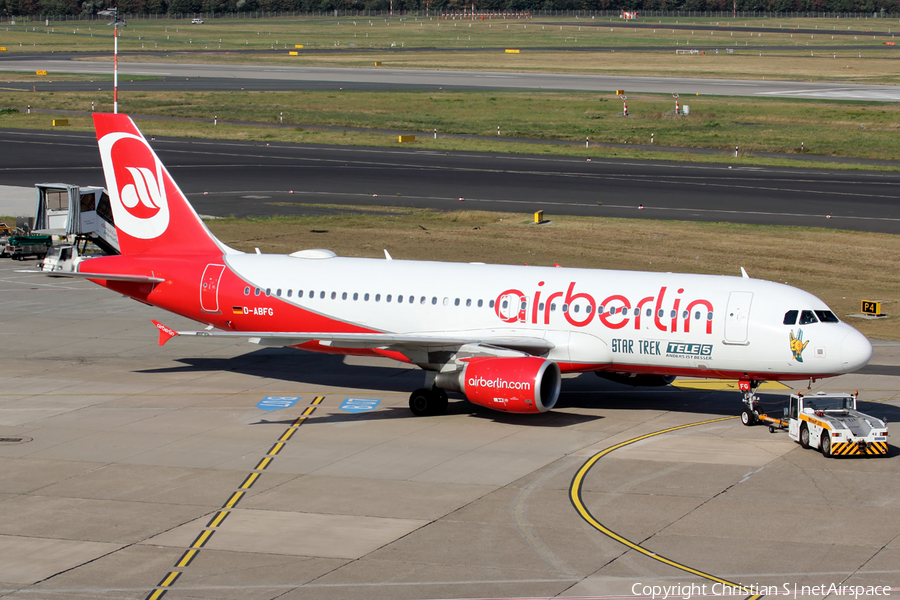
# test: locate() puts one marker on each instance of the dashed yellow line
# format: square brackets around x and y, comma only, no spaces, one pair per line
[163,586]
[235,498]
[251,479]
[575,497]
[217,520]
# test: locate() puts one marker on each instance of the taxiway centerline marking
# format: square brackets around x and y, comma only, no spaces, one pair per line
[213,526]
[575,490]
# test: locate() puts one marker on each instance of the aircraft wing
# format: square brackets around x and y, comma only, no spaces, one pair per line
[105,276]
[365,340]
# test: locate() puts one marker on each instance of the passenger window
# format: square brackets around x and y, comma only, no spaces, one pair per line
[660,313]
[344,296]
[553,307]
[684,315]
[490,304]
[600,310]
[456,302]
[290,292]
[790,317]
[480,303]
[366,297]
[541,306]
[697,316]
[322,295]
[268,291]
[649,312]
[278,292]
[826,316]
[422,300]
[256,292]
[524,304]
[504,305]
[399,299]
[412,299]
[247,291]
[299,293]
[446,301]
[387,298]
[709,316]
[565,308]
[673,314]
[355,296]
[434,300]
[576,308]
[333,295]
[612,310]
[469,302]
[807,317]
[377,297]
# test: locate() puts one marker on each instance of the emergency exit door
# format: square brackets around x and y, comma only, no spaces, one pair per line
[737,317]
[209,288]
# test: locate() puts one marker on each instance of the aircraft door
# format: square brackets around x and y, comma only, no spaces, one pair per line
[737,317]
[209,288]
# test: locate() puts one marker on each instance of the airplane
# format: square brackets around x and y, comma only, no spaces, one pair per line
[501,335]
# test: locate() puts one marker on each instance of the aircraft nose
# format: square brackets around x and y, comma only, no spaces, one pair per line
[856,351]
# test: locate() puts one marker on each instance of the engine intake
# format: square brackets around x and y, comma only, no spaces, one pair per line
[523,385]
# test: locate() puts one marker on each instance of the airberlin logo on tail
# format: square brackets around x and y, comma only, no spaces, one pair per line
[137,190]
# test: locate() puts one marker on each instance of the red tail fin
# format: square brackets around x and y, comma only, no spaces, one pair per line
[152,215]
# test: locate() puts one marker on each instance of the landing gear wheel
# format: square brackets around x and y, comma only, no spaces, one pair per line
[424,402]
[747,417]
[826,445]
[804,437]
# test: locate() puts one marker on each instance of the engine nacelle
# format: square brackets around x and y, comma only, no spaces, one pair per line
[637,380]
[521,385]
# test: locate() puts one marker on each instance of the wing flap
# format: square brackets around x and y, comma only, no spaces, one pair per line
[366,340]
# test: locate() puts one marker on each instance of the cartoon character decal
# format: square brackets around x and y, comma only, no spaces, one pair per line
[797,345]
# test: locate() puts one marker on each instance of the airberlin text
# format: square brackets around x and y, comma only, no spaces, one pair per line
[614,312]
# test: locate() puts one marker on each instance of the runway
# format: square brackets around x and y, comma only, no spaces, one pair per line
[130,470]
[234,77]
[225,178]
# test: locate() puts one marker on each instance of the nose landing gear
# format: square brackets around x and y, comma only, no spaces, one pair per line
[750,414]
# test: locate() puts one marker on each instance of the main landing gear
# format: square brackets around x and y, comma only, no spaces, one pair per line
[426,402]
[750,414]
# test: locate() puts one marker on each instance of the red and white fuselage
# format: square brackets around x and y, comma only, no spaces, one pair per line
[486,330]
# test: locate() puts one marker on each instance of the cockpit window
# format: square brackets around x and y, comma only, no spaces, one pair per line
[826,316]
[790,317]
[807,317]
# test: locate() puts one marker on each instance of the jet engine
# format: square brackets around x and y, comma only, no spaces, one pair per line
[521,385]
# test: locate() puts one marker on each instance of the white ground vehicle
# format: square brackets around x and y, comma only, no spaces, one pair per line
[831,423]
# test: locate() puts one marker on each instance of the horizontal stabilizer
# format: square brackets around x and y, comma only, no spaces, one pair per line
[105,276]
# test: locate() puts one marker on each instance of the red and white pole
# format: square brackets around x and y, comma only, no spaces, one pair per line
[116,66]
[625,106]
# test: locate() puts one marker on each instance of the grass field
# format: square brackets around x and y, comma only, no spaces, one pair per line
[419,32]
[840,267]
[866,130]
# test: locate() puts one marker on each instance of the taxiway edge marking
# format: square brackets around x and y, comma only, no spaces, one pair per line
[213,526]
[575,497]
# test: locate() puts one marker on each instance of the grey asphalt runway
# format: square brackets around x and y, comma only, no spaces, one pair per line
[224,178]
[420,79]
